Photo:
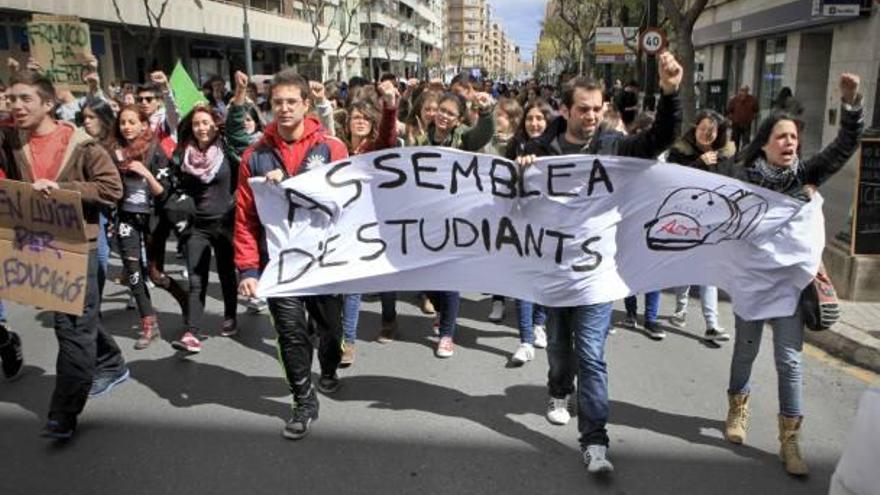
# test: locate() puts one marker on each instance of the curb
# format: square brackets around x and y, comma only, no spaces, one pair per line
[848,343]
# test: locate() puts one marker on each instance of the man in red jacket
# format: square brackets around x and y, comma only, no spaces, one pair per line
[290,145]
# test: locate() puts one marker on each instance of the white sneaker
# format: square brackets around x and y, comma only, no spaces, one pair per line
[445,348]
[524,353]
[540,336]
[557,411]
[596,460]
[497,313]
[678,319]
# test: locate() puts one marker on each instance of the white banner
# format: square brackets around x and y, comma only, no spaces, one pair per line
[571,230]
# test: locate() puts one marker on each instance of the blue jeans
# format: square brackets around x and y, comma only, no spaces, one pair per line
[351,310]
[652,306]
[103,252]
[446,303]
[788,342]
[708,298]
[576,343]
[2,312]
[530,314]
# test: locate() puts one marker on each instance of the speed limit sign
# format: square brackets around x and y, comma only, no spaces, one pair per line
[652,40]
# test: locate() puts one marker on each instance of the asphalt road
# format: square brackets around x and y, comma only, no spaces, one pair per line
[405,421]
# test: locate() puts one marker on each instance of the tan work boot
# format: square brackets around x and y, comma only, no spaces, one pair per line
[347,355]
[789,450]
[149,332]
[737,418]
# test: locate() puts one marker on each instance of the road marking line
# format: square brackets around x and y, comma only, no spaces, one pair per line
[860,374]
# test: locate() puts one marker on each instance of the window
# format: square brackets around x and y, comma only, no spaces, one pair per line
[771,68]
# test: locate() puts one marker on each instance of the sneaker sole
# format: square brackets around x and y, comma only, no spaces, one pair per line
[57,435]
[180,346]
[557,423]
[443,355]
[112,385]
[655,337]
[717,338]
[297,436]
[601,470]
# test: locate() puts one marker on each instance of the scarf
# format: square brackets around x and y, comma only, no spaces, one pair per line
[203,164]
[776,178]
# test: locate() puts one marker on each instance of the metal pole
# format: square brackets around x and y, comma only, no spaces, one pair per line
[248,61]
[651,61]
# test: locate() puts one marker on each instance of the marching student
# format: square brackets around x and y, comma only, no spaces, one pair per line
[290,144]
[136,153]
[206,167]
[577,334]
[54,155]
[370,126]
[771,160]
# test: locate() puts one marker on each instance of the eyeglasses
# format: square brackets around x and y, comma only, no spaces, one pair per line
[292,102]
[145,99]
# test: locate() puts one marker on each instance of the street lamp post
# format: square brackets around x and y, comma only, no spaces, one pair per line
[248,61]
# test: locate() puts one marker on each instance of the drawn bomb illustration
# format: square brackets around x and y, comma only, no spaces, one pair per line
[694,216]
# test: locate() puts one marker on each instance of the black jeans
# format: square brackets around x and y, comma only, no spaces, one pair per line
[156,260]
[205,235]
[294,337]
[85,350]
[131,230]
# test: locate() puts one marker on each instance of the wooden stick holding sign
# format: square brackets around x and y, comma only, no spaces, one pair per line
[43,248]
[62,46]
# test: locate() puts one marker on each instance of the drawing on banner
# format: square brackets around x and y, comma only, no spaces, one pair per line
[693,216]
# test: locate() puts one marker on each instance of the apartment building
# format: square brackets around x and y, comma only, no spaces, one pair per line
[404,37]
[466,33]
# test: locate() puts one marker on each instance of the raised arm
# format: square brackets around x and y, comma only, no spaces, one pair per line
[481,133]
[833,157]
[237,139]
[661,135]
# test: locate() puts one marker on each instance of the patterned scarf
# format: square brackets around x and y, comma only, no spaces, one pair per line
[776,178]
[203,164]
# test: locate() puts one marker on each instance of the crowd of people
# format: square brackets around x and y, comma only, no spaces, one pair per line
[147,174]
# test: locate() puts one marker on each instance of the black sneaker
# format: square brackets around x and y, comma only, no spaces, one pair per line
[59,430]
[103,384]
[716,335]
[299,423]
[13,360]
[654,331]
[329,384]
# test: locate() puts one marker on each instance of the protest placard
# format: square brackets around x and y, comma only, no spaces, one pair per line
[61,45]
[43,248]
[566,231]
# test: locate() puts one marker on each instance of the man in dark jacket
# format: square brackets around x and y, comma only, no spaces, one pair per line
[54,155]
[585,328]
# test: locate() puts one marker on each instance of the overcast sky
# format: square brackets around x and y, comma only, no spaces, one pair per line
[521,20]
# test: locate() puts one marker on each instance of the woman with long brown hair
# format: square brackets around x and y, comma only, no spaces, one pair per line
[137,154]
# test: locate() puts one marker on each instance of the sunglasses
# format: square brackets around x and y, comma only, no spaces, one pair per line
[145,99]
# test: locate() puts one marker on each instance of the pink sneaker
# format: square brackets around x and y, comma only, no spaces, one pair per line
[188,342]
[445,348]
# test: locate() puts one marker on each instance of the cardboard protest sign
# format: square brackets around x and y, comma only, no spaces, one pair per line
[567,231]
[61,45]
[43,248]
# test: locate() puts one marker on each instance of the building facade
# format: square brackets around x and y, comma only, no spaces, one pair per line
[771,44]
[404,37]
[466,30]
[207,36]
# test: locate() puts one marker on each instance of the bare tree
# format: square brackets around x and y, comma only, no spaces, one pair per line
[154,20]
[682,22]
[345,32]
[320,20]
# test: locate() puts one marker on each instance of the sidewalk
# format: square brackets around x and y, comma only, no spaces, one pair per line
[856,337]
